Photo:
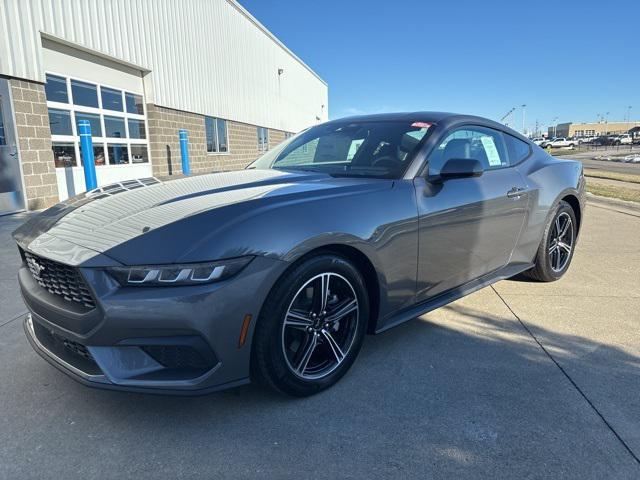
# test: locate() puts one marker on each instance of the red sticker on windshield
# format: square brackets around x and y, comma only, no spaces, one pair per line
[421,124]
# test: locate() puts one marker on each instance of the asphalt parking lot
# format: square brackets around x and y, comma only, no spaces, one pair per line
[519,380]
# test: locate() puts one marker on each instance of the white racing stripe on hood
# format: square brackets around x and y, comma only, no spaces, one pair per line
[110,221]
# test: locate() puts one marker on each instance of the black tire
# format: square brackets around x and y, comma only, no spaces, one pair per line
[270,363]
[543,270]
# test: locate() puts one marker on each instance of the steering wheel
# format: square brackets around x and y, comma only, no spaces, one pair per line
[386,161]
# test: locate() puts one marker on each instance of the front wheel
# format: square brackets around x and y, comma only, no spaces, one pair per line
[311,327]
[556,248]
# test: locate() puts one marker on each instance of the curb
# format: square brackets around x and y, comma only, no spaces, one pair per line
[622,206]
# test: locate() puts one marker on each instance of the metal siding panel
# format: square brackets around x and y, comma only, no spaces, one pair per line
[205,56]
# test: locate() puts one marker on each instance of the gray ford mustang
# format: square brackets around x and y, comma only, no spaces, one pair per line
[277,272]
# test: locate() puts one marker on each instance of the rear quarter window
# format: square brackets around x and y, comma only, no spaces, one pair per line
[518,150]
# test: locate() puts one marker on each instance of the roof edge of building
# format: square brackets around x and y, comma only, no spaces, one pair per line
[271,36]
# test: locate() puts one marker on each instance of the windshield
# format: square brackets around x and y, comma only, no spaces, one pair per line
[365,149]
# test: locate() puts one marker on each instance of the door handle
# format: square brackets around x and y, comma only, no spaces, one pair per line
[516,192]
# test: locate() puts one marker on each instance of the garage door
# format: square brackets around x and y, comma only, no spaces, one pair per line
[83,86]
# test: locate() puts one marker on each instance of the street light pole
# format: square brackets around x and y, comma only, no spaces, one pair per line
[524,106]
[555,126]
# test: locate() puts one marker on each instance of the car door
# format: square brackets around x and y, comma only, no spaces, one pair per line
[468,227]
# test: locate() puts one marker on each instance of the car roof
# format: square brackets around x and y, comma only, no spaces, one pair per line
[446,119]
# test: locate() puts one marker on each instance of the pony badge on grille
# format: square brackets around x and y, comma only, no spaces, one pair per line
[36,268]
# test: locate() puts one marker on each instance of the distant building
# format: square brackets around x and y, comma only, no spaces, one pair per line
[591,129]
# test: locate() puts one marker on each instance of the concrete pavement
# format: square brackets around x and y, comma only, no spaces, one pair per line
[519,380]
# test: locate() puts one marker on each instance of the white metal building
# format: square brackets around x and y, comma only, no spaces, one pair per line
[140,70]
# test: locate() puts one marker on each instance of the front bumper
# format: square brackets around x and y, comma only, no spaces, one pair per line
[177,340]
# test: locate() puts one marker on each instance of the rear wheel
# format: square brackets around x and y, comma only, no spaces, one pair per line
[556,248]
[311,327]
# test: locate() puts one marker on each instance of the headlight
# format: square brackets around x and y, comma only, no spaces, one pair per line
[179,274]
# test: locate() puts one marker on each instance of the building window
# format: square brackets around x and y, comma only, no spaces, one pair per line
[118,153]
[94,123]
[136,129]
[84,94]
[60,122]
[288,135]
[112,114]
[114,127]
[134,103]
[98,154]
[139,154]
[221,126]
[111,99]
[56,89]
[216,133]
[263,139]
[64,155]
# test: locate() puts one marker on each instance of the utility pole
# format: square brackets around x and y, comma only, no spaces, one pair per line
[524,131]
[629,114]
[555,126]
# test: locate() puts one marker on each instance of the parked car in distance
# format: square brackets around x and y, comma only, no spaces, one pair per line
[602,140]
[275,273]
[539,140]
[624,139]
[561,142]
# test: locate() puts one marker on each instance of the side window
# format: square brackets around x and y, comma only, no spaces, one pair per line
[518,150]
[478,143]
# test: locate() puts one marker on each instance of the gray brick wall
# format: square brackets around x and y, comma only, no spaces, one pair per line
[164,124]
[275,137]
[34,141]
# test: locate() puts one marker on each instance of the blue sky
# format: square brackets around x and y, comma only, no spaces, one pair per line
[566,59]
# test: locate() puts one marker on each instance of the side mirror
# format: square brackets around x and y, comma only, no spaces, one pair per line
[458,168]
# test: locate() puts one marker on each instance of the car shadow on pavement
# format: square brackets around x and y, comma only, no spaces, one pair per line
[455,391]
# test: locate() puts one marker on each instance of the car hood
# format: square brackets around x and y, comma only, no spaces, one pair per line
[91,228]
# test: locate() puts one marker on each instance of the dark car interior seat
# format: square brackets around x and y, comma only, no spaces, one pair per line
[455,148]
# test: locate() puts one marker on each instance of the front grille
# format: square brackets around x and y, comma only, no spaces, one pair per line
[59,279]
[176,356]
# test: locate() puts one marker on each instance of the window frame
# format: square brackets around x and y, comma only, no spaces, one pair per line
[103,140]
[216,136]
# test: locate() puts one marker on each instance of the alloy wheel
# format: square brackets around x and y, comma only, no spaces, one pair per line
[320,326]
[560,242]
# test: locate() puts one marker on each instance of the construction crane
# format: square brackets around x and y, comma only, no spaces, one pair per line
[506,115]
